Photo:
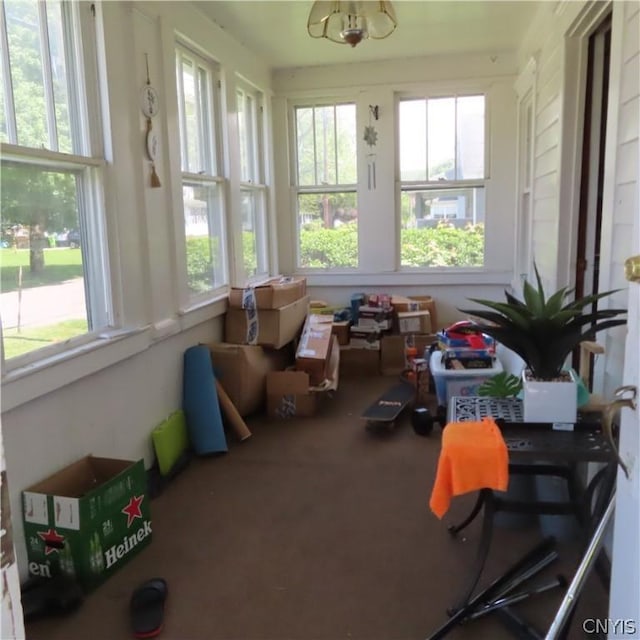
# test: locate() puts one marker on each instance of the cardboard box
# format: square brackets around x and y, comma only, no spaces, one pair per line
[414,322]
[242,371]
[87,520]
[393,351]
[416,303]
[267,327]
[341,331]
[364,337]
[393,359]
[375,318]
[289,393]
[314,347]
[359,362]
[273,293]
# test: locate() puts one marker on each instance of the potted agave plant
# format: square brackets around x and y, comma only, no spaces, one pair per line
[543,332]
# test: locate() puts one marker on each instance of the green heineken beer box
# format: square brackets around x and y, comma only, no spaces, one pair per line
[87,520]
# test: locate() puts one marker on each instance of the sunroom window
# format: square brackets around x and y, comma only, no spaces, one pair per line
[202,179]
[326,181]
[442,176]
[253,190]
[53,254]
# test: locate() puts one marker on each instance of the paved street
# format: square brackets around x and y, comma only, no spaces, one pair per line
[43,305]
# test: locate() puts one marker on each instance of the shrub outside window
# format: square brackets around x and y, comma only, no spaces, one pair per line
[53,254]
[202,182]
[326,180]
[442,175]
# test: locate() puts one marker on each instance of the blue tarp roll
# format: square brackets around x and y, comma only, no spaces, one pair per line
[200,402]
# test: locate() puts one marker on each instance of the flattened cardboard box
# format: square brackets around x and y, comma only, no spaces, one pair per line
[267,327]
[314,348]
[87,520]
[273,293]
[289,393]
[242,371]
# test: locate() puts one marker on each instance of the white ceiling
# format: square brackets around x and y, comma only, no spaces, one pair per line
[277,30]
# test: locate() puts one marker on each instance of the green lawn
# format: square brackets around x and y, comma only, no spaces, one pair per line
[60,265]
[30,339]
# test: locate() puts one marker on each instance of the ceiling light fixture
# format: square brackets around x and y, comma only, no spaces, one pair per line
[350,21]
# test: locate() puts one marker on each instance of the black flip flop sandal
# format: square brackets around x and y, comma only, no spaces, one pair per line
[147,608]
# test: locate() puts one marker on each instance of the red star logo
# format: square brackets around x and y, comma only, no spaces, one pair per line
[53,541]
[133,509]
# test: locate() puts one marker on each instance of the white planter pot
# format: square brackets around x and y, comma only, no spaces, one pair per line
[549,401]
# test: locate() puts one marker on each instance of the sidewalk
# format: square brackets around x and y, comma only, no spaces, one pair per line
[41,306]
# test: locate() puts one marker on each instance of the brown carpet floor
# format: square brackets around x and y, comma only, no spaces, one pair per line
[315,529]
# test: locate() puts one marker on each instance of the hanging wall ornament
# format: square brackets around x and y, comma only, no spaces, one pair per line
[150,105]
[371,138]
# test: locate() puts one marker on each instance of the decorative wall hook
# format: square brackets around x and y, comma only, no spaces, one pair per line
[374,109]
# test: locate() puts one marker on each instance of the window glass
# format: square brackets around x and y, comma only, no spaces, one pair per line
[53,252]
[441,138]
[202,190]
[413,137]
[253,190]
[442,160]
[205,254]
[327,174]
[442,227]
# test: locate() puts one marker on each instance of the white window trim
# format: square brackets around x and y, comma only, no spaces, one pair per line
[192,305]
[257,185]
[86,122]
[295,189]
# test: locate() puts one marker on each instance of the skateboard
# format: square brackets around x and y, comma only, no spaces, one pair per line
[384,411]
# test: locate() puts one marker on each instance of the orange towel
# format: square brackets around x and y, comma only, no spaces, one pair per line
[474,456]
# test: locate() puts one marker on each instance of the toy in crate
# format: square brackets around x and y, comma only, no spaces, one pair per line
[465,346]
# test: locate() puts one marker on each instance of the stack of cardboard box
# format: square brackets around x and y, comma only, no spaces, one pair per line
[299,390]
[259,363]
[385,331]
[269,313]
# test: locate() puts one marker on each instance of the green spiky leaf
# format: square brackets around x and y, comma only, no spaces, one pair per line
[544,331]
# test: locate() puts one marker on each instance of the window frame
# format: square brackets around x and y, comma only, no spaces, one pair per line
[297,189]
[212,173]
[440,185]
[86,161]
[253,183]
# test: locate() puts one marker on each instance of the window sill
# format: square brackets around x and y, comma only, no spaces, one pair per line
[429,278]
[39,378]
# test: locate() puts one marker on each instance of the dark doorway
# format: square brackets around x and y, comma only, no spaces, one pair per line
[592,169]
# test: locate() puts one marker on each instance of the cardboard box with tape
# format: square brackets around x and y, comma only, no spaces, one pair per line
[414,322]
[402,304]
[267,327]
[273,293]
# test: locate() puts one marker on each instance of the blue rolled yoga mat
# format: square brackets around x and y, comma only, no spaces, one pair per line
[200,402]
